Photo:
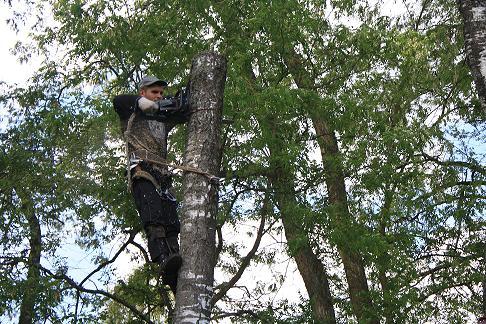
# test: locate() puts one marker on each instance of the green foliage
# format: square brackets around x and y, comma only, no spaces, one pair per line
[395,91]
[54,172]
[140,289]
[280,313]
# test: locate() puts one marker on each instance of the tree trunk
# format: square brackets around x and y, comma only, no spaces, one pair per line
[203,151]
[483,272]
[313,273]
[383,264]
[27,308]
[353,265]
[310,267]
[473,13]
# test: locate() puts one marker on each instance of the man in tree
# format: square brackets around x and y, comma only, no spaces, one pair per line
[146,124]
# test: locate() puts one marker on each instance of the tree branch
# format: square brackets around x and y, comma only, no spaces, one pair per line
[224,287]
[235,314]
[104,264]
[142,250]
[472,166]
[80,288]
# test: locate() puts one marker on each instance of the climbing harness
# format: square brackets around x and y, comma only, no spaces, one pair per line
[162,191]
[143,155]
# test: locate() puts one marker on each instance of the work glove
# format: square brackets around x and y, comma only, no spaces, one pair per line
[147,106]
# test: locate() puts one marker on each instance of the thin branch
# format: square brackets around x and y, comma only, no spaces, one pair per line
[417,23]
[235,314]
[104,264]
[447,255]
[435,269]
[80,288]
[142,250]
[436,290]
[219,247]
[224,287]
[472,166]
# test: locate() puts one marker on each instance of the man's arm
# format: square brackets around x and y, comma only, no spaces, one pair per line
[125,105]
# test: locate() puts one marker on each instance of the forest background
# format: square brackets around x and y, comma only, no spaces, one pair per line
[353,154]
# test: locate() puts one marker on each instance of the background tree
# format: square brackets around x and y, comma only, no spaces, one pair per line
[474,19]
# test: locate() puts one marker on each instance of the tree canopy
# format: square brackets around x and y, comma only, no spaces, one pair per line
[353,145]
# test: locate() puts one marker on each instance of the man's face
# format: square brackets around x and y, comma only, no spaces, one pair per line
[153,93]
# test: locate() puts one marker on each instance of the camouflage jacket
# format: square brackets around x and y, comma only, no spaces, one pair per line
[145,133]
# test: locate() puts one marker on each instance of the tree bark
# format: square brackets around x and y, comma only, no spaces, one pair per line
[353,265]
[310,267]
[483,272]
[31,291]
[473,13]
[203,152]
[354,269]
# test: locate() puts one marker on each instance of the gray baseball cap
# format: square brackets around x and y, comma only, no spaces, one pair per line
[151,80]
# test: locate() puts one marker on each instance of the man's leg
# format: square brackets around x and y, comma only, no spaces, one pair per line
[159,218]
[165,251]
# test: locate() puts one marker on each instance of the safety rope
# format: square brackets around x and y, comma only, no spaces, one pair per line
[155,159]
[127,152]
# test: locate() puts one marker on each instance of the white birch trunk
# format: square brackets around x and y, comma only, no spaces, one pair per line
[474,17]
[203,151]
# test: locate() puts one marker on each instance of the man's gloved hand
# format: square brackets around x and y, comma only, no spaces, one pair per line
[147,106]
